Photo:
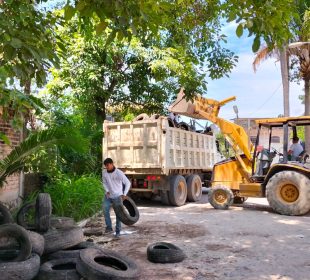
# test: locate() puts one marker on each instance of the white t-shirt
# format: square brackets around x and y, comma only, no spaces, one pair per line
[297,149]
[113,183]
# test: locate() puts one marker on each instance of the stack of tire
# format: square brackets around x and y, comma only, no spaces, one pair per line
[53,248]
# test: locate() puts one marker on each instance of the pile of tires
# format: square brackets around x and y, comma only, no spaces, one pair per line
[53,248]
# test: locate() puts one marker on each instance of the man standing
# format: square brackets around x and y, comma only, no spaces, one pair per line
[116,186]
[296,149]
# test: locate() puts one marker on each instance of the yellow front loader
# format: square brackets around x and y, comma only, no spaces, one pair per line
[257,170]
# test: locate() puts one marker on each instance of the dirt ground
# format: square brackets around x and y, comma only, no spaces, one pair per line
[245,242]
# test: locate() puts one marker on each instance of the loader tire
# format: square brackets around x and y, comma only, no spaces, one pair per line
[163,252]
[194,188]
[141,117]
[5,215]
[178,190]
[288,193]
[21,216]
[221,197]
[126,211]
[43,212]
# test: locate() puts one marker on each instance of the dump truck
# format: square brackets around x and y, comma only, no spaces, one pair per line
[160,158]
[253,170]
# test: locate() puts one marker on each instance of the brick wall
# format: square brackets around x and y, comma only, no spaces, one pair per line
[10,192]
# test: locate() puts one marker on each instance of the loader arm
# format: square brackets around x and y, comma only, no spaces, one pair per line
[208,109]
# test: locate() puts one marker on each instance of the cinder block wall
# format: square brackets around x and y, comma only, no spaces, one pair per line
[11,191]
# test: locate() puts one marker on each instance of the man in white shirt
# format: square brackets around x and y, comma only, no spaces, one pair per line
[116,186]
[295,149]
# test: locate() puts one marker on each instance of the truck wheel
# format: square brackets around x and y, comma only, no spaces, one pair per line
[141,117]
[178,190]
[164,197]
[43,212]
[221,197]
[194,188]
[288,193]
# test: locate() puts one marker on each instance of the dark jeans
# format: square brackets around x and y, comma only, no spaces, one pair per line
[106,211]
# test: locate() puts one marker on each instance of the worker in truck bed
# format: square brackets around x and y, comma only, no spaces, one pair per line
[116,186]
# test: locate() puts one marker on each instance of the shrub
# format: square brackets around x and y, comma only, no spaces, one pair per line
[78,198]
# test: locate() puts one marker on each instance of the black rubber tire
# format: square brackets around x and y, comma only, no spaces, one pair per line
[239,199]
[5,215]
[62,222]
[154,117]
[60,269]
[194,188]
[127,211]
[72,252]
[221,197]
[141,117]
[184,126]
[22,238]
[43,212]
[163,252]
[164,197]
[37,242]
[8,255]
[61,239]
[178,190]
[117,267]
[20,219]
[275,188]
[20,270]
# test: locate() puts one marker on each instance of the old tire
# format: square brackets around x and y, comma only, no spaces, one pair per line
[97,264]
[164,197]
[72,252]
[21,236]
[288,193]
[178,190]
[194,188]
[20,270]
[37,242]
[221,197]
[155,117]
[60,269]
[163,252]
[126,211]
[62,222]
[61,239]
[141,117]
[43,212]
[21,215]
[5,215]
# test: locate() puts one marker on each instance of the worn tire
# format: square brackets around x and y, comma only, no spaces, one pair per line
[163,252]
[154,117]
[221,197]
[5,215]
[126,211]
[62,222]
[60,269]
[178,190]
[288,193]
[72,252]
[97,264]
[21,236]
[164,197]
[194,188]
[141,117]
[20,219]
[20,270]
[37,242]
[43,212]
[61,239]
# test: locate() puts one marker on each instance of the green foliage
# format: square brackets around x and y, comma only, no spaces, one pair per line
[78,197]
[225,149]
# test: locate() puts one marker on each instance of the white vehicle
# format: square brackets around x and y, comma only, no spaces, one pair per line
[161,159]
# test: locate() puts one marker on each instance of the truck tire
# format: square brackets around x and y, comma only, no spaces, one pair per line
[178,190]
[141,117]
[221,197]
[62,222]
[163,252]
[97,264]
[25,270]
[5,215]
[194,188]
[126,211]
[154,117]
[37,242]
[288,193]
[164,197]
[43,212]
[21,216]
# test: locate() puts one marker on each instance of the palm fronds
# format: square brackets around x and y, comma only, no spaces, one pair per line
[264,54]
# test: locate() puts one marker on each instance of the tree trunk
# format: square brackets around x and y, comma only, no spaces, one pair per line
[285,81]
[307,113]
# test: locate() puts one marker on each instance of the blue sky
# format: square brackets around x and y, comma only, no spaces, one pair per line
[258,94]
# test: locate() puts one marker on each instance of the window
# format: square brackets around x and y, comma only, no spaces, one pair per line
[275,139]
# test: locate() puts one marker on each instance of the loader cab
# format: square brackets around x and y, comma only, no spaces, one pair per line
[273,144]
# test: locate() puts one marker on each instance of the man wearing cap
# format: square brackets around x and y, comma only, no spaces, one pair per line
[116,186]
